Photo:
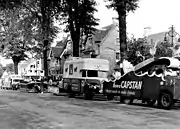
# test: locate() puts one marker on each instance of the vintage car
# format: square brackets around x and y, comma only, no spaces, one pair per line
[153,80]
[85,76]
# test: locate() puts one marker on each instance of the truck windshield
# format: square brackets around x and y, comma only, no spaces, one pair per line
[94,73]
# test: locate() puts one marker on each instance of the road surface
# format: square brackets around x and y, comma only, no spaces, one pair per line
[20,110]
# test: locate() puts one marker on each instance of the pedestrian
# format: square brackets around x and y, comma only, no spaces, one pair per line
[50,82]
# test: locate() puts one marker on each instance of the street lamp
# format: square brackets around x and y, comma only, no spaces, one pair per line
[172,33]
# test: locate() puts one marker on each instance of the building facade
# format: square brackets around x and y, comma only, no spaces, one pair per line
[31,67]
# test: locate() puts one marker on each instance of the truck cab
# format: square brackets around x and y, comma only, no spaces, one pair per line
[153,80]
[85,76]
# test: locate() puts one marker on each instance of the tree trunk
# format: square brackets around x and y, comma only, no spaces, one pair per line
[74,28]
[45,27]
[122,34]
[16,62]
[45,59]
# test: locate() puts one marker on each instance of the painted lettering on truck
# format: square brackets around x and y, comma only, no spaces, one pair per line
[129,85]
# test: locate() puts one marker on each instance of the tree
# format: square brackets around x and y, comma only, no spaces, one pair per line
[79,16]
[14,41]
[123,7]
[138,49]
[10,68]
[163,49]
[1,70]
[37,21]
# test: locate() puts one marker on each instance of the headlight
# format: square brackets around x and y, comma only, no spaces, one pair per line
[161,83]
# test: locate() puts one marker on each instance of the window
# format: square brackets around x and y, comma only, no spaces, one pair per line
[30,70]
[92,73]
[75,69]
[70,69]
[117,42]
[83,73]
[117,55]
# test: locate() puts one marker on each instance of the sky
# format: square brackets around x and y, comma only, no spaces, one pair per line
[157,14]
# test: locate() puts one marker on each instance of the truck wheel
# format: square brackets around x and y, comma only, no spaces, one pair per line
[88,95]
[150,102]
[121,99]
[70,92]
[110,97]
[165,101]
[71,95]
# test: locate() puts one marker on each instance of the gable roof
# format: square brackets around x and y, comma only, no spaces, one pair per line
[102,33]
[159,37]
[56,51]
[60,48]
[156,37]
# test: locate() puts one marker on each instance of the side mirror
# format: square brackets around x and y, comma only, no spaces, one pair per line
[165,38]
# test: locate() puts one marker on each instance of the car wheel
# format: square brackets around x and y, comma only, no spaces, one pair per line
[165,101]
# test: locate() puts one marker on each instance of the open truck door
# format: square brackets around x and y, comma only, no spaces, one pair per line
[151,81]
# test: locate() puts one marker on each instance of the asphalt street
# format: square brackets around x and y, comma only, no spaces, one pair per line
[21,110]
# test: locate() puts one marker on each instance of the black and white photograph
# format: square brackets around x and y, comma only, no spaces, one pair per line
[89,64]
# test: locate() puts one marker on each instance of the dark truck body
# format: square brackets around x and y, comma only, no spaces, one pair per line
[149,82]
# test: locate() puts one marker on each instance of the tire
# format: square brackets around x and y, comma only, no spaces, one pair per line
[110,97]
[165,101]
[122,99]
[88,94]
[71,95]
[150,102]
[70,92]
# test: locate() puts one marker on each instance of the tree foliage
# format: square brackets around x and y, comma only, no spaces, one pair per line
[1,70]
[79,14]
[137,45]
[23,27]
[163,49]
[10,68]
[123,7]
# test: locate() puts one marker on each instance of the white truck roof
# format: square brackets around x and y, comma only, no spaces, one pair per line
[90,63]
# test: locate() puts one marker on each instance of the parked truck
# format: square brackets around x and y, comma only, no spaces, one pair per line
[154,80]
[85,76]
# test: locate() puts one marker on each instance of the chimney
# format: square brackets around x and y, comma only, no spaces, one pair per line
[147,31]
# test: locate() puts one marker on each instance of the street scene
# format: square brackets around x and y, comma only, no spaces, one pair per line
[89,64]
